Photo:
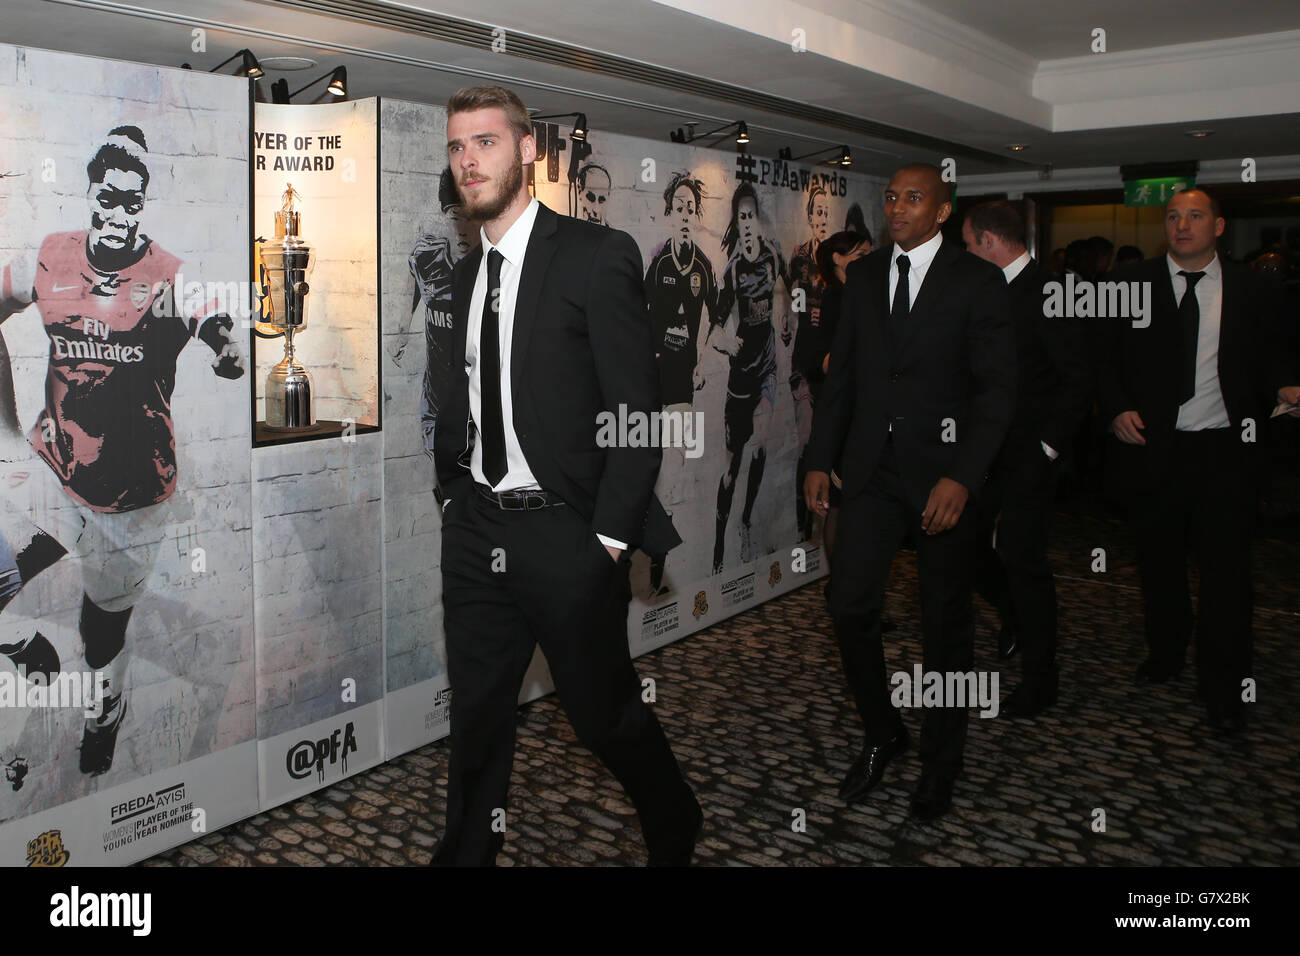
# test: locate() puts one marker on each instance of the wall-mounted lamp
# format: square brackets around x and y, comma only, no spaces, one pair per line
[742,134]
[845,158]
[579,134]
[248,65]
[338,86]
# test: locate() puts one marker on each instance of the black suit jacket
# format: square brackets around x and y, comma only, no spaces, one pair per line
[1141,369]
[955,360]
[1053,379]
[581,346]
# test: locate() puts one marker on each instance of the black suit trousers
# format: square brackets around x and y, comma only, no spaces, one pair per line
[1207,503]
[512,580]
[873,524]
[1016,578]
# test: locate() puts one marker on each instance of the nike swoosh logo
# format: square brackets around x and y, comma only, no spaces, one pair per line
[63,288]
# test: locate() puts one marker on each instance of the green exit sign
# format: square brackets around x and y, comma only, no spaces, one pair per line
[1155,192]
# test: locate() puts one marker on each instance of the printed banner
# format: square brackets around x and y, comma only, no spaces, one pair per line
[729,245]
[126,610]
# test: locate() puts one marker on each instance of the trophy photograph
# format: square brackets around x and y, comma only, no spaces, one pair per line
[285,262]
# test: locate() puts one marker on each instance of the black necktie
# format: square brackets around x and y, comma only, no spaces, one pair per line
[1189,318]
[492,429]
[902,294]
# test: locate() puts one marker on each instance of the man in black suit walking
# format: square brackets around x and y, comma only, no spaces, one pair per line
[1054,388]
[550,339]
[1187,391]
[919,396]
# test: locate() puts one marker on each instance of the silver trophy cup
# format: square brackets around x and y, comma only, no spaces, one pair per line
[286,262]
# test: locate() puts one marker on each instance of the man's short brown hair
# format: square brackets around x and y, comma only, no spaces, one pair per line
[472,98]
[1215,210]
[998,217]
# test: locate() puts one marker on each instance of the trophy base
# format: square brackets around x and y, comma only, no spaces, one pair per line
[288,398]
[324,428]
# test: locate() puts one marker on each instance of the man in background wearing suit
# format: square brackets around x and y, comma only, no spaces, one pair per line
[1054,388]
[550,329]
[1187,392]
[919,396]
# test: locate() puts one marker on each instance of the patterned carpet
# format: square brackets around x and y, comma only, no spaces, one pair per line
[763,727]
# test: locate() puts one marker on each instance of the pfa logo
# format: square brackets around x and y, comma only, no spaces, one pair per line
[306,754]
[47,850]
[774,575]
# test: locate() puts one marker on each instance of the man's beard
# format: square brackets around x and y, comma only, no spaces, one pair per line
[490,209]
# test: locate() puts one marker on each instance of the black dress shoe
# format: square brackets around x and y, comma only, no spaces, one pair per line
[680,855]
[1031,698]
[855,771]
[870,767]
[933,795]
[1152,671]
[1008,643]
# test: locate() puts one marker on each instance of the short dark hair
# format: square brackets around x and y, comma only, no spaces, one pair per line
[935,174]
[114,156]
[1101,245]
[471,98]
[1128,254]
[1214,203]
[998,217]
[841,243]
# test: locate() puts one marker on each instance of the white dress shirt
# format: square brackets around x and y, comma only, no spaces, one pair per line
[513,246]
[918,260]
[1016,266]
[1205,409]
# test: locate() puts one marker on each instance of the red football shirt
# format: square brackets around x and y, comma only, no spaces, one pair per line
[112,370]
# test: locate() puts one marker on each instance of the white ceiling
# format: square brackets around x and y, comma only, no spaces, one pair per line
[980,74]
[1050,29]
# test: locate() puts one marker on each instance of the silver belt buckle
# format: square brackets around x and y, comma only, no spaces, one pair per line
[534,500]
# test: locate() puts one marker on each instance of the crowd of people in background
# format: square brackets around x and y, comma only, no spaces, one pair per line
[950,392]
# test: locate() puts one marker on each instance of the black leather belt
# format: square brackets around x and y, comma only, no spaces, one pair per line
[525,500]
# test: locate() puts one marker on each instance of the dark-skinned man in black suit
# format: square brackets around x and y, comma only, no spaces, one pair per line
[1187,391]
[539,510]
[918,399]
[1054,388]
